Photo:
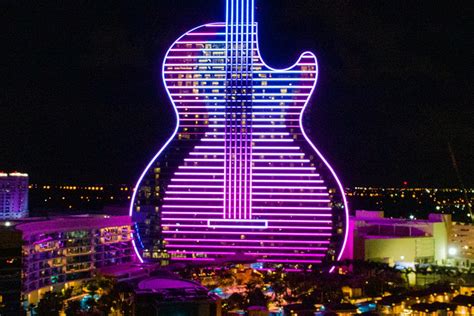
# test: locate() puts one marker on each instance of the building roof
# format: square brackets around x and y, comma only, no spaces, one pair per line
[42,225]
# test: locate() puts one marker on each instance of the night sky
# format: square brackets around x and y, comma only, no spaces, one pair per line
[82,99]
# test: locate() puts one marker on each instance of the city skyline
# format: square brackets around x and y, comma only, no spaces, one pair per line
[392,95]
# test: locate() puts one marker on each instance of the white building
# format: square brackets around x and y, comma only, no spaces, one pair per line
[13,195]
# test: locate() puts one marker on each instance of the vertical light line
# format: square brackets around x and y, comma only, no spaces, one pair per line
[251,109]
[226,96]
[234,143]
[246,109]
[241,103]
[230,105]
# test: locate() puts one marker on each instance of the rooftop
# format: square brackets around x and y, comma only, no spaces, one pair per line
[36,225]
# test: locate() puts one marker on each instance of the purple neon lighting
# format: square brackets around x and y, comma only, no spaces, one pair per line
[262,169]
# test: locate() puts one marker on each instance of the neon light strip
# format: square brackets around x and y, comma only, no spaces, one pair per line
[199,174]
[195,193]
[254,140]
[223,94]
[290,193]
[289,187]
[253,87]
[242,247]
[194,186]
[175,219]
[258,134]
[254,193]
[198,253]
[286,254]
[287,174]
[292,214]
[237,101]
[295,200]
[193,259]
[270,227]
[254,79]
[251,241]
[213,72]
[196,180]
[193,232]
[288,180]
[289,260]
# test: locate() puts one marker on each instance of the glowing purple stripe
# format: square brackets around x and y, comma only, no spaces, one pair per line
[206,153]
[193,259]
[254,79]
[287,180]
[190,199]
[286,174]
[290,193]
[278,241]
[222,94]
[176,219]
[177,72]
[199,174]
[292,214]
[289,188]
[196,180]
[194,186]
[284,168]
[254,140]
[289,260]
[241,247]
[270,227]
[254,87]
[195,193]
[207,252]
[294,200]
[282,160]
[193,232]
[299,208]
[286,254]
[197,167]
[204,159]
[277,147]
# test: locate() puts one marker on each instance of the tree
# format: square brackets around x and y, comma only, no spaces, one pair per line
[256,298]
[73,308]
[235,301]
[51,304]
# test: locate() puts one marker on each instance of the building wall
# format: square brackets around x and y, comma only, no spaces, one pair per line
[13,195]
[462,239]
[400,250]
[373,237]
[10,271]
[62,252]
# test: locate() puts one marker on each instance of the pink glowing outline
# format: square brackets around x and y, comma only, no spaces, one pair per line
[305,54]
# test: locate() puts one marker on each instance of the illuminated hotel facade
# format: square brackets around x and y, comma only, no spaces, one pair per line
[42,255]
[239,176]
[13,195]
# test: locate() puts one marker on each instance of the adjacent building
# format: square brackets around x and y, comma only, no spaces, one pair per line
[461,247]
[60,252]
[13,195]
[397,241]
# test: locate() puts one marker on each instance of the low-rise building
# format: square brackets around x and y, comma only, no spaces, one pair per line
[400,242]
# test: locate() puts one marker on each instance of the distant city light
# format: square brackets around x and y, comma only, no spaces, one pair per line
[8,224]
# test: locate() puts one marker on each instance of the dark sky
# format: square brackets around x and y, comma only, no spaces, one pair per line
[82,98]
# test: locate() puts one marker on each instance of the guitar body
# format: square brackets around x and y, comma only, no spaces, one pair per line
[239,176]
